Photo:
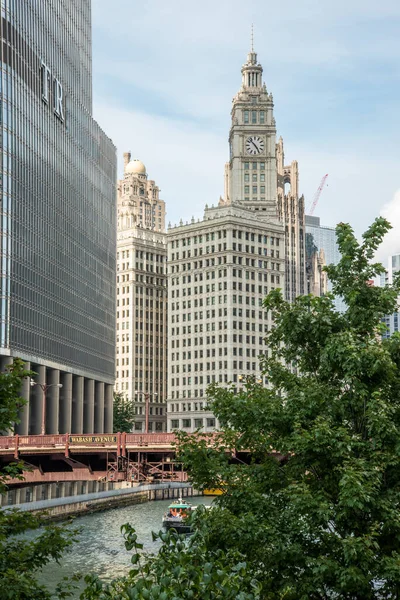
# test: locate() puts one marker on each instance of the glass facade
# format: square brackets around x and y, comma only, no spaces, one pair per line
[324,238]
[58,208]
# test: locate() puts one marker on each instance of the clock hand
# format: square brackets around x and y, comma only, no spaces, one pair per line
[254,144]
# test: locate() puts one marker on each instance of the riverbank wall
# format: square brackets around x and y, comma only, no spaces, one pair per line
[121,495]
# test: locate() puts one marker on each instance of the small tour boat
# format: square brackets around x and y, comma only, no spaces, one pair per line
[176,516]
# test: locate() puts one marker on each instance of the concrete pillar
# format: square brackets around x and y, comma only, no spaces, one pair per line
[108,408]
[36,401]
[23,426]
[77,404]
[4,362]
[52,401]
[99,407]
[17,497]
[65,415]
[88,406]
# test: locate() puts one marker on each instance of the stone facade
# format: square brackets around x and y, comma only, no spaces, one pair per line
[221,268]
[141,348]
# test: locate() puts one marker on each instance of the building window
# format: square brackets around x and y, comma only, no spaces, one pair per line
[246,166]
[246,116]
[262,177]
[254,189]
[254,116]
[262,166]
[210,422]
[254,177]
[186,423]
[175,424]
[246,189]
[246,177]
[254,166]
[254,99]
[262,189]
[198,423]
[262,117]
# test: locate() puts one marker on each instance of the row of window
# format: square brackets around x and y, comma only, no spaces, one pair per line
[187,423]
[209,237]
[254,166]
[211,352]
[254,189]
[254,177]
[142,255]
[254,117]
[211,339]
[222,247]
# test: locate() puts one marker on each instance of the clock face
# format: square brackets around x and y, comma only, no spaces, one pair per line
[254,145]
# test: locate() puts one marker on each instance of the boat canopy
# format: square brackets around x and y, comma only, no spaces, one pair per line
[179,506]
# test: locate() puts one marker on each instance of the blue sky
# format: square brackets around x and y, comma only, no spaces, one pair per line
[165,74]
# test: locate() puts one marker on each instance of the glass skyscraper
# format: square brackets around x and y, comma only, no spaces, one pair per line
[324,238]
[58,218]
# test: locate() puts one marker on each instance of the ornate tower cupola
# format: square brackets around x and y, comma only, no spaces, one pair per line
[250,175]
[251,70]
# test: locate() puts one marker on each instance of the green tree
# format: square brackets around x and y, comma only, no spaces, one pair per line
[316,512]
[182,569]
[123,414]
[20,558]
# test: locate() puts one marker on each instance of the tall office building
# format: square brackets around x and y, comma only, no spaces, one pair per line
[221,268]
[391,321]
[141,361]
[320,237]
[58,219]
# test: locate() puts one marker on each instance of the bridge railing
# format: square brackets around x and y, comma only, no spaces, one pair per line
[150,438]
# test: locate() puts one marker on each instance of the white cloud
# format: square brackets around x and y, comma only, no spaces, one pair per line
[391,242]
[186,161]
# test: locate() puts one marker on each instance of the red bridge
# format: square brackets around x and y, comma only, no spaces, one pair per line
[101,457]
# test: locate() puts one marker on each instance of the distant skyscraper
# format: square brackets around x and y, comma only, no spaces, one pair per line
[391,321]
[221,268]
[58,225]
[141,361]
[323,238]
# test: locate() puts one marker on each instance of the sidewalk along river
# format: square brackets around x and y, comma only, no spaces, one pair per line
[100,547]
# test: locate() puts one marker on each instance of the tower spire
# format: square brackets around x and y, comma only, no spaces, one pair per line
[252,37]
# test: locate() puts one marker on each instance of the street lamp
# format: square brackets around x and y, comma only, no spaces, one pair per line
[146,399]
[44,387]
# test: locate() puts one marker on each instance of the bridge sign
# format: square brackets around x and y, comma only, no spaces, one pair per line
[93,439]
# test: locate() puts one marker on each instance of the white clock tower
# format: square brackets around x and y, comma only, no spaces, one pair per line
[250,176]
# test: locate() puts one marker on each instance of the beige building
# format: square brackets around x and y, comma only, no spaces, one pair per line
[141,342]
[221,268]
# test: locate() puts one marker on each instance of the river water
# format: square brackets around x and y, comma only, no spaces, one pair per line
[100,546]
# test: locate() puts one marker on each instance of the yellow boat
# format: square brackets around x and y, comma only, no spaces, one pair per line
[213,492]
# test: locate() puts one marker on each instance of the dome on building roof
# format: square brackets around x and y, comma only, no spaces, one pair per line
[135,166]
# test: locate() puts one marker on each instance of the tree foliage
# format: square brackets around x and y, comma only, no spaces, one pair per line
[316,513]
[184,568]
[22,558]
[123,414]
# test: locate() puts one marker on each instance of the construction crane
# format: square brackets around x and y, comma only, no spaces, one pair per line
[317,195]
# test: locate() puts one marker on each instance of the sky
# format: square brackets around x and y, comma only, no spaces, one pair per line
[165,73]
